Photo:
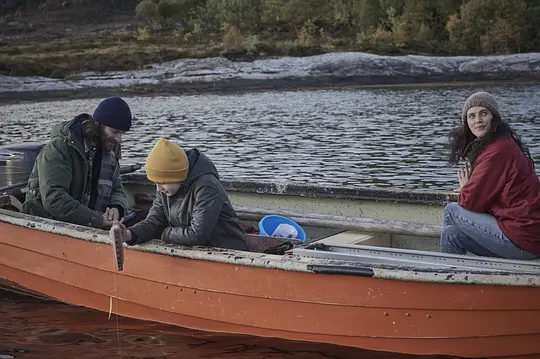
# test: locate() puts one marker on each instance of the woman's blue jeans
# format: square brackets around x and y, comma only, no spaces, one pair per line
[478,233]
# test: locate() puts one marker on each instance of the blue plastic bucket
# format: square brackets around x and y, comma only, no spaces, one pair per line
[268,224]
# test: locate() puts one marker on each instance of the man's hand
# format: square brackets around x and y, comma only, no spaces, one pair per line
[106,223]
[113,214]
[109,217]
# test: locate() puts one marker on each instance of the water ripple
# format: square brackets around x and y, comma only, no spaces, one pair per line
[359,137]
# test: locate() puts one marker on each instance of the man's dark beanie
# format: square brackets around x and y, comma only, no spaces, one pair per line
[114,112]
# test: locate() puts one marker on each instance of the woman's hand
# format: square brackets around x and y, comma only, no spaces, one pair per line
[464,174]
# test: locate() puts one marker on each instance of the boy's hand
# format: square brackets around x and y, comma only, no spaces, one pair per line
[124,232]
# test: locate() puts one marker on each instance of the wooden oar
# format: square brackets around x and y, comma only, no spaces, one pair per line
[129,169]
[357,223]
[123,170]
[13,186]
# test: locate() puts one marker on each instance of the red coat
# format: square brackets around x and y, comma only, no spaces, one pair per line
[504,184]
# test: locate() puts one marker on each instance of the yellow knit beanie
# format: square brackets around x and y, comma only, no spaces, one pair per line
[167,163]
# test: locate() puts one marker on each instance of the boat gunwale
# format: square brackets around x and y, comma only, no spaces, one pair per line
[439,198]
[270,261]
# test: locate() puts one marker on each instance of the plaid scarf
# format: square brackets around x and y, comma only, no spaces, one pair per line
[105,181]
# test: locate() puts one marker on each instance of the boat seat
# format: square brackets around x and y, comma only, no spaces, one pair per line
[358,237]
[430,244]
[7,201]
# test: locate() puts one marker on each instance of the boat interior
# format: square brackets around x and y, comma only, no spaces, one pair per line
[318,232]
[140,205]
[16,162]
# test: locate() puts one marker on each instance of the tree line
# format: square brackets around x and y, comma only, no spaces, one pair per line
[444,27]
[472,27]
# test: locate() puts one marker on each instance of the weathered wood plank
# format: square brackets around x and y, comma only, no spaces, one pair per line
[356,223]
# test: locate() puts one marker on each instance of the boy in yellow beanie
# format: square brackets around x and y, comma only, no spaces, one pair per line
[191,205]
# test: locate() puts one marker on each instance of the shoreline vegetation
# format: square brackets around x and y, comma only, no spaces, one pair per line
[60,39]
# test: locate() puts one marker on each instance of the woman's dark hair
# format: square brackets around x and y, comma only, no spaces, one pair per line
[463,145]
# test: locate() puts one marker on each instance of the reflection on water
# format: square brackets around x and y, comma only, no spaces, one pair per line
[360,137]
[31,328]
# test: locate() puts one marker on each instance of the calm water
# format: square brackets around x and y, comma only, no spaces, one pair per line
[36,329]
[359,137]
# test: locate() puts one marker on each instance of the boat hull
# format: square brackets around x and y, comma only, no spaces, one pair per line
[476,321]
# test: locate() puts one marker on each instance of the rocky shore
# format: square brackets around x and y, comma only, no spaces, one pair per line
[221,75]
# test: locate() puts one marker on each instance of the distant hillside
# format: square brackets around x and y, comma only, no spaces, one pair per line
[61,38]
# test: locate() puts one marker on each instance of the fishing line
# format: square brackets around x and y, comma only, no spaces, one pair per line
[117,326]
[111,309]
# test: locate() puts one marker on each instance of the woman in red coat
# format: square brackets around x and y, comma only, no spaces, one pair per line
[498,212]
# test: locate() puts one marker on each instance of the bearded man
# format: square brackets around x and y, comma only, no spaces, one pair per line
[76,177]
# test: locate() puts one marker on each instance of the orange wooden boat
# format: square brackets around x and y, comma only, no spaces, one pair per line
[376,298]
[358,282]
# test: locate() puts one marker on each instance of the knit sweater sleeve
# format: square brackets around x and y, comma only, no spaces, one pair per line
[490,174]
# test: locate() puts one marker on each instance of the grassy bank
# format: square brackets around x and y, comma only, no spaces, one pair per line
[131,51]
[61,39]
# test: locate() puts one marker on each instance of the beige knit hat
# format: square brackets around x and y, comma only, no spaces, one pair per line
[480,99]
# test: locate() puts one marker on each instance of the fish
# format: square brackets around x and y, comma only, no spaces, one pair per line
[118,245]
